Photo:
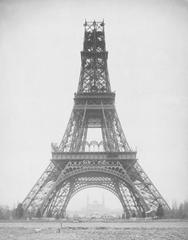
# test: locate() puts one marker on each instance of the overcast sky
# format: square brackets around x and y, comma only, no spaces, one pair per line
[40,44]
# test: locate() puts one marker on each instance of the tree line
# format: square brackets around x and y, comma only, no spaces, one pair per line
[176,212]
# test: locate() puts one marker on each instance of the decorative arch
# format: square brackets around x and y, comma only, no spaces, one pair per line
[79,179]
[81,188]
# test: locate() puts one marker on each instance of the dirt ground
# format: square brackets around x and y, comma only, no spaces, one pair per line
[128,230]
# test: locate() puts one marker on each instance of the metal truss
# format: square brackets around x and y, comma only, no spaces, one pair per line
[41,188]
[77,164]
[106,174]
[94,73]
[75,136]
[147,188]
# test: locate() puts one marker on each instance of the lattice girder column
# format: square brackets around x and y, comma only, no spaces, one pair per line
[41,188]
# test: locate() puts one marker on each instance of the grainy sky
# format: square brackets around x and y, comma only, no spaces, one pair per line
[40,44]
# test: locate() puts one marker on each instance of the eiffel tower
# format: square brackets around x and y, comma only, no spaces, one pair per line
[78,163]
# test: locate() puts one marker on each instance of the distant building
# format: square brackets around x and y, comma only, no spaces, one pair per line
[95,209]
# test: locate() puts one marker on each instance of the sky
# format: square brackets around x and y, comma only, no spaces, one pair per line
[40,44]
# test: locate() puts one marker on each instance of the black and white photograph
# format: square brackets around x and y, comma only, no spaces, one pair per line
[94,119]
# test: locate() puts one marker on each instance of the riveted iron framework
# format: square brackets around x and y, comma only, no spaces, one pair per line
[77,164]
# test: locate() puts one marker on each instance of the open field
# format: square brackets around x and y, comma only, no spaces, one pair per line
[138,230]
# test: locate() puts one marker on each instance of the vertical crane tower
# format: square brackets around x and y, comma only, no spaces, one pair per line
[78,163]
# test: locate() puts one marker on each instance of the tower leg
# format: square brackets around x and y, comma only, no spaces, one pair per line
[125,207]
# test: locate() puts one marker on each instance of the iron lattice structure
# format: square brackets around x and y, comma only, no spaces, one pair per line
[77,164]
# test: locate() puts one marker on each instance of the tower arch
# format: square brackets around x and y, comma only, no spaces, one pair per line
[83,176]
[86,198]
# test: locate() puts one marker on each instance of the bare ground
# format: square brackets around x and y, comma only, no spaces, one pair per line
[138,230]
